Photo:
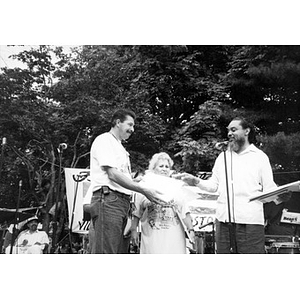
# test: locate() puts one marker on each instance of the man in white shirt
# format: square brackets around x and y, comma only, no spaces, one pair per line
[239,222]
[30,241]
[112,184]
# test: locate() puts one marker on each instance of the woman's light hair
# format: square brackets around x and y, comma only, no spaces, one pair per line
[158,156]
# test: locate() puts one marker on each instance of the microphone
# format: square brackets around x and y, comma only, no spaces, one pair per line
[63,146]
[221,145]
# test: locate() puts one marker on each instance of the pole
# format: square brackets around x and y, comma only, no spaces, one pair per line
[56,201]
[74,201]
[213,237]
[16,218]
[230,224]
[2,154]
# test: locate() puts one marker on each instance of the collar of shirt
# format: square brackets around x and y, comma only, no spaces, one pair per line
[250,148]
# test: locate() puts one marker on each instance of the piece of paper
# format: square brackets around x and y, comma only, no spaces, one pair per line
[272,194]
[169,187]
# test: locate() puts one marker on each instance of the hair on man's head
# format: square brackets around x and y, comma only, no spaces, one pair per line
[121,114]
[246,124]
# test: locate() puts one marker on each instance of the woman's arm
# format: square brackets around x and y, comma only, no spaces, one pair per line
[188,222]
[134,234]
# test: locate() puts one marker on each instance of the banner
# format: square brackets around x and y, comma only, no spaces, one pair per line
[77,184]
[203,209]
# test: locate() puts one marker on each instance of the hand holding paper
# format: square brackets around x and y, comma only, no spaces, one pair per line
[274,193]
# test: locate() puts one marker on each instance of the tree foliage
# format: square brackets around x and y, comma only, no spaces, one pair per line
[266,79]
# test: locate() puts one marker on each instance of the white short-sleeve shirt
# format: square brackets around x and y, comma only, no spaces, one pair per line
[106,150]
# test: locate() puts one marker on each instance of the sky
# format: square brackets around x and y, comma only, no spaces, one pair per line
[7,50]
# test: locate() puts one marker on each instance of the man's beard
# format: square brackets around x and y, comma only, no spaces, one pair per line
[236,145]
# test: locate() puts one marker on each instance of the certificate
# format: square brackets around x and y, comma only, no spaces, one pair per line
[272,194]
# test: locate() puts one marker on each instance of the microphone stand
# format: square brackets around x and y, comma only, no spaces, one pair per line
[78,178]
[213,236]
[231,227]
[58,194]
[16,221]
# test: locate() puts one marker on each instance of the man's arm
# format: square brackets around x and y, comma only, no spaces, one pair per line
[188,222]
[119,178]
[44,240]
[206,185]
[267,179]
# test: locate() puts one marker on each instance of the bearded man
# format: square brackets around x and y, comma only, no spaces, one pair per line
[239,222]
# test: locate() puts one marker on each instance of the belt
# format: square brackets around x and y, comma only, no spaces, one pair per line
[106,190]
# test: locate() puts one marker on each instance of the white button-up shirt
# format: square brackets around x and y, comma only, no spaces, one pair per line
[249,173]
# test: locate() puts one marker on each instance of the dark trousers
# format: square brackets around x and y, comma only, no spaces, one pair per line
[109,213]
[247,238]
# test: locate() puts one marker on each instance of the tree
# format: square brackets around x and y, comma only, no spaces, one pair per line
[261,83]
[98,81]
[283,150]
[30,119]
[266,79]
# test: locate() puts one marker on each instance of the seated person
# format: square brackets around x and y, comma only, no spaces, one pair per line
[30,241]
